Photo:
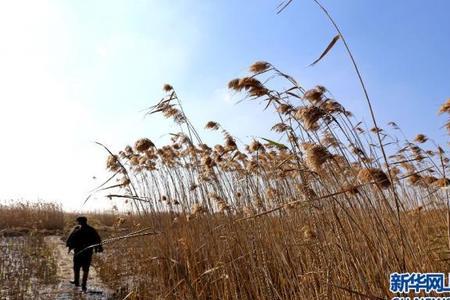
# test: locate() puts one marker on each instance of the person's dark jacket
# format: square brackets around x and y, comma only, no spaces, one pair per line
[83,236]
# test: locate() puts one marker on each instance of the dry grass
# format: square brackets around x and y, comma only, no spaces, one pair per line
[29,215]
[283,257]
[327,210]
[315,214]
[26,267]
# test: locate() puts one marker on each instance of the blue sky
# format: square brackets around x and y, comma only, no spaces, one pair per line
[73,72]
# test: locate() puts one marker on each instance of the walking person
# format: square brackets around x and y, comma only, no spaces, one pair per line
[80,239]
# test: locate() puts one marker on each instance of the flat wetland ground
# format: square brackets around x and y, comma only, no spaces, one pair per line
[34,262]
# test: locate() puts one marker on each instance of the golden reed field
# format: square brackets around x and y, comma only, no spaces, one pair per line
[321,215]
[318,214]
[326,211]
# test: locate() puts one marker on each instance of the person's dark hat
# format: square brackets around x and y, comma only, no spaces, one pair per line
[82,220]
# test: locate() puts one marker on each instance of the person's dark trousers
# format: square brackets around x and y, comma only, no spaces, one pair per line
[81,261]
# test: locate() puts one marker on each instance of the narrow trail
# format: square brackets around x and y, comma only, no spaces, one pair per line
[65,290]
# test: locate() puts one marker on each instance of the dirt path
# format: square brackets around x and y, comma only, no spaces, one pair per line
[65,290]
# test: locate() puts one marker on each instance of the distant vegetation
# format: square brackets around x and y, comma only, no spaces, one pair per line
[30,215]
[26,263]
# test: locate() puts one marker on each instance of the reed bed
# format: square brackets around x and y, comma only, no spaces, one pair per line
[27,267]
[316,213]
[31,215]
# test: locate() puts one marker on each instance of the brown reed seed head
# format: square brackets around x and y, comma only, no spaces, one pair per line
[212,125]
[284,108]
[329,140]
[170,111]
[128,150]
[420,138]
[332,106]
[445,107]
[415,179]
[134,160]
[394,172]
[253,86]
[429,179]
[250,84]
[280,127]
[207,161]
[316,156]
[112,163]
[234,84]
[315,95]
[259,66]
[125,181]
[309,115]
[230,143]
[143,160]
[376,130]
[143,145]
[255,146]
[219,149]
[167,88]
[372,174]
[442,182]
